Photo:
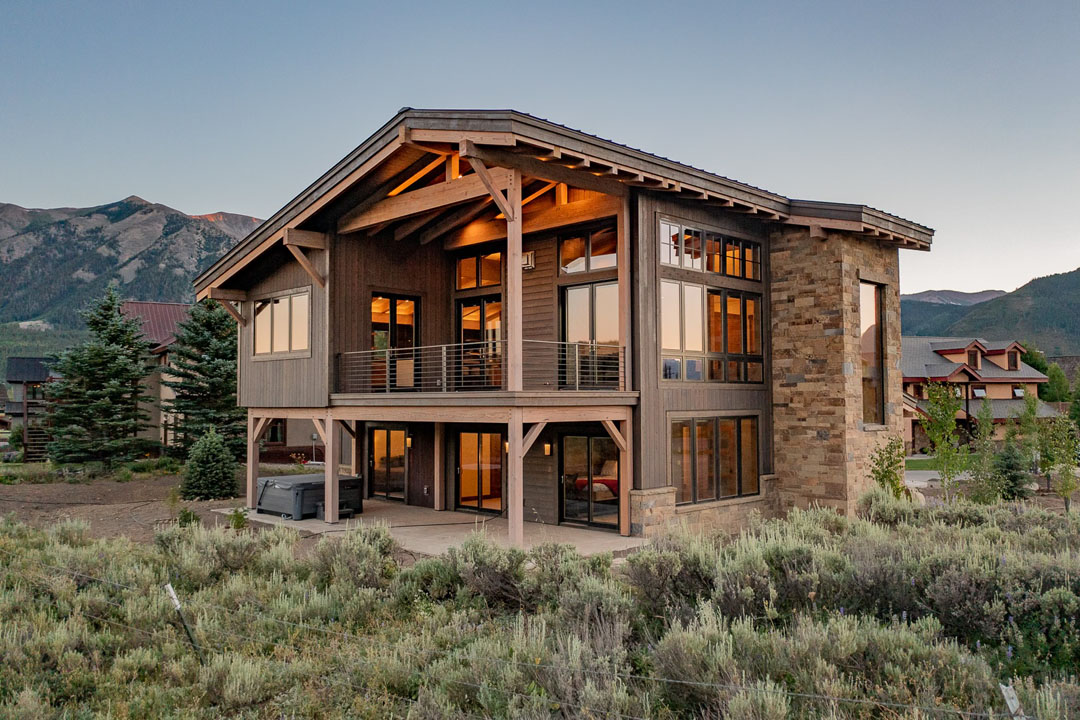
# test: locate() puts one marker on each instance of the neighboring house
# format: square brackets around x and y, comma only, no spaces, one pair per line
[159,324]
[289,440]
[980,369]
[26,376]
[493,312]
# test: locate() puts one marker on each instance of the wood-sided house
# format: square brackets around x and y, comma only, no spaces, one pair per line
[490,311]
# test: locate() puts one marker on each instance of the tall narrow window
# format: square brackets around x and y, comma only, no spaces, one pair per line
[870,349]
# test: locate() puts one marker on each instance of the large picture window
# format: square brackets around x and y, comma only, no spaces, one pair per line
[695,249]
[714,458]
[282,324]
[708,334]
[870,351]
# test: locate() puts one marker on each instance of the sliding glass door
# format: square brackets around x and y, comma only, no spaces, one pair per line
[590,480]
[387,463]
[480,471]
[590,320]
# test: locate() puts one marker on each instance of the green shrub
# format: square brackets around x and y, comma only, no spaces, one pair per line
[887,467]
[237,518]
[210,473]
[493,573]
[361,558]
[187,518]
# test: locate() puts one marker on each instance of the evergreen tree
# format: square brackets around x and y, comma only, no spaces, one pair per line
[210,473]
[1034,357]
[97,407]
[1012,474]
[203,377]
[1056,389]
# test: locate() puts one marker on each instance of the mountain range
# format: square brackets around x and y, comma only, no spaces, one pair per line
[54,261]
[1045,311]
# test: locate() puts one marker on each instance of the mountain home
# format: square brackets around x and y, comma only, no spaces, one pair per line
[980,370]
[487,311]
[26,376]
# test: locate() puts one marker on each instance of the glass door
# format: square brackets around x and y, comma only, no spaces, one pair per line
[387,463]
[480,349]
[590,480]
[480,471]
[591,323]
[394,331]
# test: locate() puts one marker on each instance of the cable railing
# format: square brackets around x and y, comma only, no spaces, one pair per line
[480,366]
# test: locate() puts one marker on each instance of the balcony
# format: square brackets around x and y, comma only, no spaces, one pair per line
[481,366]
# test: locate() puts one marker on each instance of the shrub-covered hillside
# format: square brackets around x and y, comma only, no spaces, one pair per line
[905,612]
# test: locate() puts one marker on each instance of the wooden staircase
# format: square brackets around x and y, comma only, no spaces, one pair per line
[34,444]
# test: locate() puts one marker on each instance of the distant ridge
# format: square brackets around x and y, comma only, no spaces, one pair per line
[54,261]
[954,297]
[1045,311]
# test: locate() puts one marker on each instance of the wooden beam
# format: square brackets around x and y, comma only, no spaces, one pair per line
[617,436]
[515,510]
[544,170]
[429,198]
[260,427]
[455,220]
[319,428]
[332,193]
[416,176]
[480,231]
[561,194]
[622,262]
[305,239]
[626,477]
[331,469]
[513,300]
[410,226]
[251,462]
[231,309]
[531,436]
[453,167]
[495,192]
[305,263]
[422,135]
[216,293]
[530,198]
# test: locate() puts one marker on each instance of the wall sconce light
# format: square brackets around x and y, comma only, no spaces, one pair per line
[408,441]
[547,448]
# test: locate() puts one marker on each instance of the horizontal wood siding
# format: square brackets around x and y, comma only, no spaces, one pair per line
[542,480]
[292,382]
[658,400]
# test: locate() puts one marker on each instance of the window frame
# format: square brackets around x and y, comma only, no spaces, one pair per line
[586,234]
[685,260]
[270,298]
[975,389]
[879,322]
[477,259]
[690,462]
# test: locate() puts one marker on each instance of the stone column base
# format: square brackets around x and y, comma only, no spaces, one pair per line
[651,511]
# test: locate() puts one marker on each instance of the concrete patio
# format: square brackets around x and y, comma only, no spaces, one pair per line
[430,532]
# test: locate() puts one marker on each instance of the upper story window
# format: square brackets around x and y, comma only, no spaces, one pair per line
[1014,360]
[973,358]
[871,352]
[695,249]
[710,334]
[479,271]
[282,324]
[1018,391]
[585,252]
[978,391]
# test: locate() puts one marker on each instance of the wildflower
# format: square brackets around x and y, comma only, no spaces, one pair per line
[841,609]
[1008,652]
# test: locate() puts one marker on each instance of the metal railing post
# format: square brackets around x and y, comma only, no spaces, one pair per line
[443,381]
[577,366]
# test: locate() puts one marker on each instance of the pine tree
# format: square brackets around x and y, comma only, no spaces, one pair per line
[210,473]
[1056,388]
[203,377]
[97,407]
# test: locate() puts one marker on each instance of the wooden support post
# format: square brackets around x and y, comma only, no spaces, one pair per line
[309,267]
[515,513]
[330,457]
[357,461]
[626,475]
[438,468]
[513,284]
[255,429]
[622,260]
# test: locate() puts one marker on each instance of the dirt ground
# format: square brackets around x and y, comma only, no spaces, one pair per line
[135,509]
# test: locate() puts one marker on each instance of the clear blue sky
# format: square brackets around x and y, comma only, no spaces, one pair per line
[961,116]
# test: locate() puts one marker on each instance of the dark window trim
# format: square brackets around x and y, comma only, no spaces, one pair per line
[277,295]
[475,256]
[586,232]
[723,236]
[879,290]
[693,420]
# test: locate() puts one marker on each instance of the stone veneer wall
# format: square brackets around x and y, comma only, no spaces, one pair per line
[821,444]
[653,510]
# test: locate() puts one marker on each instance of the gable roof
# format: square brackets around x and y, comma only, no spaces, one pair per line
[588,157]
[921,358]
[27,369]
[159,320]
